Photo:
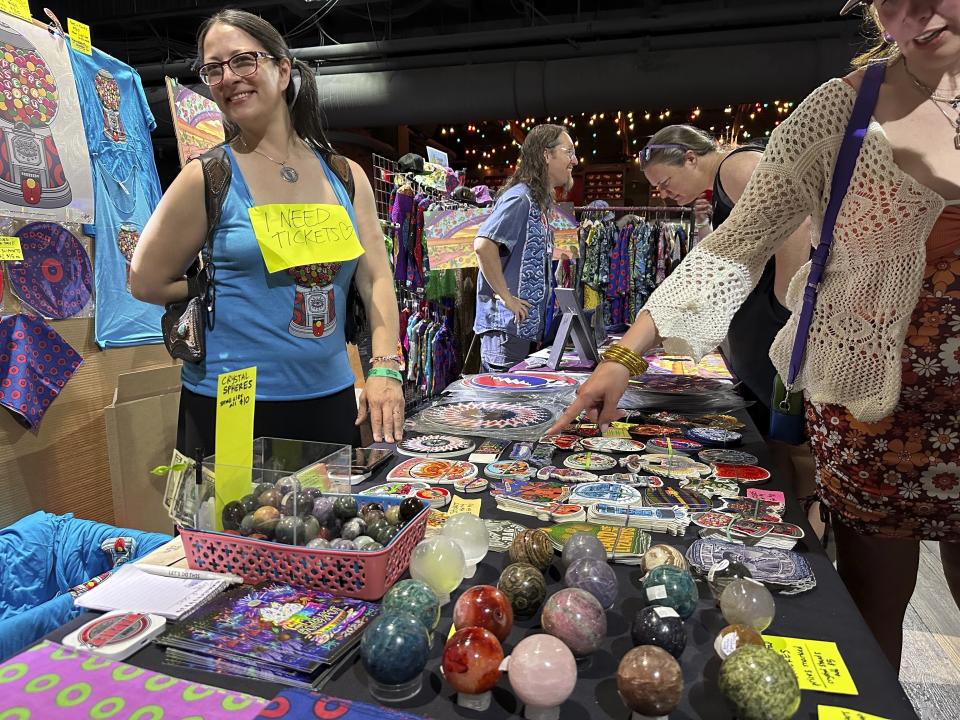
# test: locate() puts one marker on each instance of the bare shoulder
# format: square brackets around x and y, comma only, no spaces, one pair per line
[736,170]
[855,78]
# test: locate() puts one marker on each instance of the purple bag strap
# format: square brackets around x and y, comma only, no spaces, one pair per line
[842,172]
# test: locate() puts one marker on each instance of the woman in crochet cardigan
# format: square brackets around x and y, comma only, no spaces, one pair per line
[881,375]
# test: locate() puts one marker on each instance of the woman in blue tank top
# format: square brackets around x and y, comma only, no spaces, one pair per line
[288,323]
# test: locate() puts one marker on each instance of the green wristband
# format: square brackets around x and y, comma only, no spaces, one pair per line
[386,372]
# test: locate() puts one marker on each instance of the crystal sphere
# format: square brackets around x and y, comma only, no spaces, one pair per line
[394,648]
[760,684]
[672,587]
[596,577]
[470,533]
[581,545]
[748,602]
[484,606]
[542,671]
[416,598]
[734,637]
[650,681]
[575,616]
[438,562]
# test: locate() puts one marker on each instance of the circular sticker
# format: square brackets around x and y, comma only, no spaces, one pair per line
[435,446]
[521,382]
[605,444]
[437,497]
[433,470]
[478,416]
[395,489]
[509,470]
[727,422]
[746,474]
[676,444]
[54,277]
[562,442]
[654,431]
[590,461]
[552,472]
[728,457]
[716,437]
[473,485]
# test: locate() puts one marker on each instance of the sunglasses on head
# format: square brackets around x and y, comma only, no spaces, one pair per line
[647,151]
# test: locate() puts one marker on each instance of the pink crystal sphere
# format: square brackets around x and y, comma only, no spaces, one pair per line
[542,671]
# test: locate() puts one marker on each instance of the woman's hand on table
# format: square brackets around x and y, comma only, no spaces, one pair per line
[382,400]
[598,396]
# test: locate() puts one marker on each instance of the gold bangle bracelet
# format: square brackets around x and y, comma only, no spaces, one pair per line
[621,355]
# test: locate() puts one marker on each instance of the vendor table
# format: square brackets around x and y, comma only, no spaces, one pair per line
[825,613]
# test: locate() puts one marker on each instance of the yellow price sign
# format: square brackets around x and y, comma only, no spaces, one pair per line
[817,664]
[832,712]
[17,8]
[79,36]
[10,248]
[303,234]
[462,505]
[233,454]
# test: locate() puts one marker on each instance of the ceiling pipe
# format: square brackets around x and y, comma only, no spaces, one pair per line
[683,21]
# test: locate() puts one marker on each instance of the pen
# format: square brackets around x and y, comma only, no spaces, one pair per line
[190,574]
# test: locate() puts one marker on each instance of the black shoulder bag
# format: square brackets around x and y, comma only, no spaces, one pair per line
[184,323]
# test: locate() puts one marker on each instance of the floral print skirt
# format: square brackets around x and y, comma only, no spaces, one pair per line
[900,477]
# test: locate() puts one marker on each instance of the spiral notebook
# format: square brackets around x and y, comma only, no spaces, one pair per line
[134,590]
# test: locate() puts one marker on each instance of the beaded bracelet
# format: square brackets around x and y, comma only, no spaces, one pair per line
[380,359]
[385,372]
[622,355]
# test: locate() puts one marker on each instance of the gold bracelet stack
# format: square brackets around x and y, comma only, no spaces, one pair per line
[628,358]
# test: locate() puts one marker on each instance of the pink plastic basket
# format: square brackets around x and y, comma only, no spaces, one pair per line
[363,575]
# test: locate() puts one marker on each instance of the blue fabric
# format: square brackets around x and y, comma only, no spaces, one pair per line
[117,121]
[526,249]
[255,314]
[41,557]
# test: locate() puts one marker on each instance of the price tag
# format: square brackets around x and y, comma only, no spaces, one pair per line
[291,235]
[236,393]
[832,712]
[817,664]
[10,248]
[462,505]
[17,8]
[79,36]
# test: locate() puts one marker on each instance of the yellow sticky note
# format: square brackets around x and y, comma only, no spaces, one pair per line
[453,629]
[832,712]
[79,36]
[236,392]
[616,432]
[817,664]
[462,505]
[291,235]
[10,248]
[18,8]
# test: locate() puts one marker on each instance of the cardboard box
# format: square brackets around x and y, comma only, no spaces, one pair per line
[141,434]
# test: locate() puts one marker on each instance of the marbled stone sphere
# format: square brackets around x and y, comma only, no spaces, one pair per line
[471,660]
[660,626]
[650,681]
[582,545]
[542,671]
[596,577]
[345,507]
[271,497]
[575,617]
[322,510]
[249,502]
[265,519]
[748,602]
[342,544]
[353,528]
[408,509]
[311,527]
[416,598]
[232,515]
[670,586]
[760,684]
[525,588]
[392,514]
[394,648]
[531,546]
[318,543]
[734,637]
[484,606]
[290,530]
[288,484]
[662,554]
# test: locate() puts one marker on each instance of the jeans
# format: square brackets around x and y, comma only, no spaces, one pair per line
[499,351]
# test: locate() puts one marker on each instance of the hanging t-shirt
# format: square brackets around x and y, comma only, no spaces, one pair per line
[117,121]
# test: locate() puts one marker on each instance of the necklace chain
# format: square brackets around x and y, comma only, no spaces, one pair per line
[286,172]
[938,102]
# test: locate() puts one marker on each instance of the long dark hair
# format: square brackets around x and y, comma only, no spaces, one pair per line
[303,103]
[532,168]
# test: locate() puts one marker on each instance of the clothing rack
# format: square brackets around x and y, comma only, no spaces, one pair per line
[635,208]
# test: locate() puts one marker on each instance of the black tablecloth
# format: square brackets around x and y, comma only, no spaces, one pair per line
[825,613]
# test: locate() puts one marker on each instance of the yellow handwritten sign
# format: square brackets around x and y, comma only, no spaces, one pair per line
[10,248]
[616,432]
[17,8]
[236,393]
[832,712]
[817,664]
[462,505]
[79,36]
[291,235]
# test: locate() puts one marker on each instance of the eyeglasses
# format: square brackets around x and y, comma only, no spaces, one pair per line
[242,64]
[571,151]
[663,185]
[647,153]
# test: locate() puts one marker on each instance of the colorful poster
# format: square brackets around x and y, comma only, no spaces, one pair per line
[450,233]
[196,121]
[44,160]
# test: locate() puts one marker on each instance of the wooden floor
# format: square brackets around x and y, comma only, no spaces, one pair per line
[930,670]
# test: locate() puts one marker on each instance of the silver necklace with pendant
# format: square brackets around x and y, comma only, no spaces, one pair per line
[288,173]
[938,102]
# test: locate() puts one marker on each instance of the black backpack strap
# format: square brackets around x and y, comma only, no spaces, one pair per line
[341,167]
